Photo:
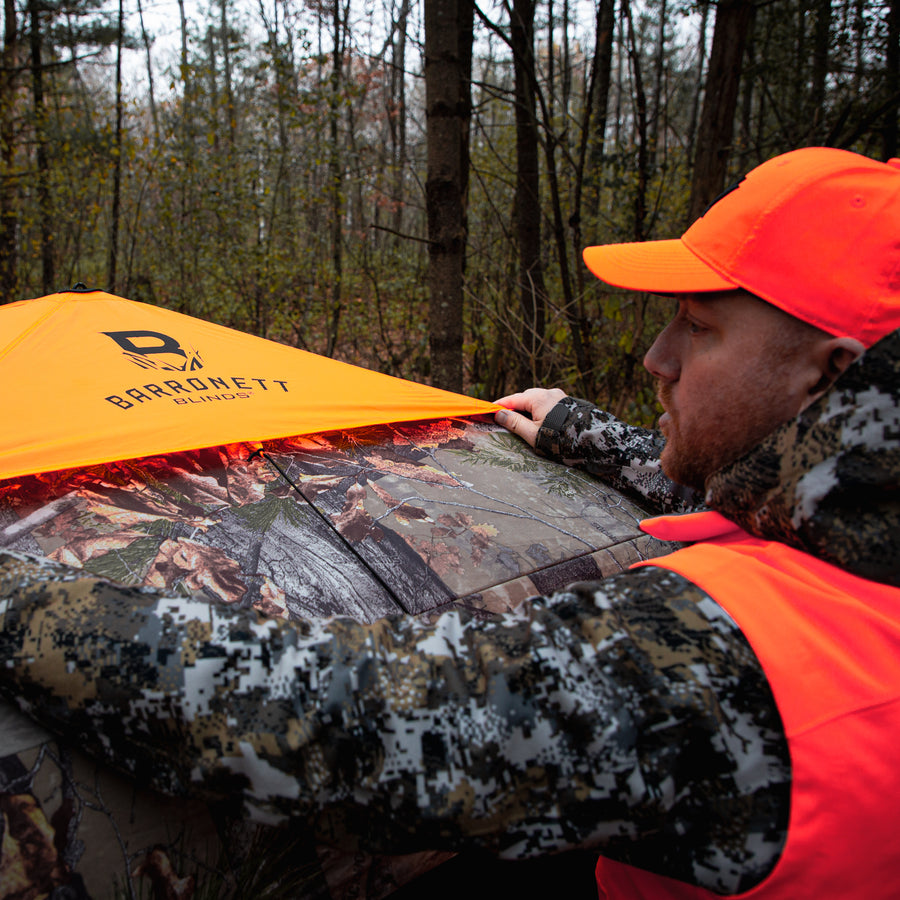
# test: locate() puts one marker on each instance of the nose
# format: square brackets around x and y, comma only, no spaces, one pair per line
[661,360]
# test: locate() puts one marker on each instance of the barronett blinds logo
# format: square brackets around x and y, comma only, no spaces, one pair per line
[154,351]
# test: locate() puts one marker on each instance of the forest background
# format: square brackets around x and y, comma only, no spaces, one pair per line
[409,186]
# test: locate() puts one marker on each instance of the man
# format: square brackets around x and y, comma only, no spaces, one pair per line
[780,286]
[720,721]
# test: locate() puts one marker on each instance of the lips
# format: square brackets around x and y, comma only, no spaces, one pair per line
[664,395]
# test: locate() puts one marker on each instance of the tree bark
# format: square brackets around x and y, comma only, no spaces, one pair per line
[892,64]
[151,94]
[601,77]
[588,177]
[532,292]
[695,101]
[45,211]
[336,170]
[398,122]
[446,115]
[821,40]
[112,274]
[640,126]
[9,221]
[225,38]
[659,70]
[186,185]
[734,19]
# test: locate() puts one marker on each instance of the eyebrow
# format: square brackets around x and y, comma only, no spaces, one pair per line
[703,300]
[703,310]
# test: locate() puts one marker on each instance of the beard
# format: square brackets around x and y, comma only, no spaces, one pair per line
[693,452]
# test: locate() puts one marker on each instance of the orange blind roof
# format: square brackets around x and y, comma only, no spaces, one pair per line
[91,378]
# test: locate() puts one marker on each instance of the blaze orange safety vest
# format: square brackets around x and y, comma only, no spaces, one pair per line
[829,643]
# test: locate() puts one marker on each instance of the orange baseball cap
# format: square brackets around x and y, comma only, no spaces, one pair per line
[815,232]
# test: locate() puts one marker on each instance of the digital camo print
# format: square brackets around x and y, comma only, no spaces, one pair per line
[826,482]
[624,456]
[606,716]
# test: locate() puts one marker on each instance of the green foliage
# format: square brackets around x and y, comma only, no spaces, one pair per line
[270,191]
[262,515]
[506,451]
[503,451]
[127,565]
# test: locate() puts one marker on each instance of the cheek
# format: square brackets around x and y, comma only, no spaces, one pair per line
[704,388]
[717,381]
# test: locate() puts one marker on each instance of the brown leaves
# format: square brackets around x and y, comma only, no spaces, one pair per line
[29,861]
[354,521]
[197,567]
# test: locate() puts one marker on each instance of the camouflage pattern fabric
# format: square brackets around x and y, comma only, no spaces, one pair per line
[624,456]
[562,724]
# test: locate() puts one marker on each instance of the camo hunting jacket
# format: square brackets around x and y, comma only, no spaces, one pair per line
[628,715]
[625,456]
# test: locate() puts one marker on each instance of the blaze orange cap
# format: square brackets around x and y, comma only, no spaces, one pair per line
[815,232]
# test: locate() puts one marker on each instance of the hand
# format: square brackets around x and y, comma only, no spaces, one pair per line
[535,403]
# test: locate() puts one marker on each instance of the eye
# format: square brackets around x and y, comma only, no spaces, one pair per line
[694,327]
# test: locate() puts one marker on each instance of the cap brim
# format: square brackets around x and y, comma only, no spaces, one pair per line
[660,267]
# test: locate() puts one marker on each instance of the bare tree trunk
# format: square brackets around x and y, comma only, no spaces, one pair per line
[744,140]
[566,62]
[145,39]
[798,82]
[860,44]
[9,220]
[892,115]
[117,162]
[533,294]
[45,211]
[230,111]
[695,102]
[593,132]
[601,76]
[659,67]
[640,103]
[734,18]
[465,42]
[551,65]
[555,109]
[446,115]
[573,312]
[620,91]
[187,161]
[821,37]
[337,186]
[211,94]
[398,123]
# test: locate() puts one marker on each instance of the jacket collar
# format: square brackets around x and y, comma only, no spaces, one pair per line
[827,481]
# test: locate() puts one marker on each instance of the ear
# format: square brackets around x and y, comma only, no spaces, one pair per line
[832,356]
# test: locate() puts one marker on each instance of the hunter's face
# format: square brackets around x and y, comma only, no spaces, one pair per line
[728,372]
